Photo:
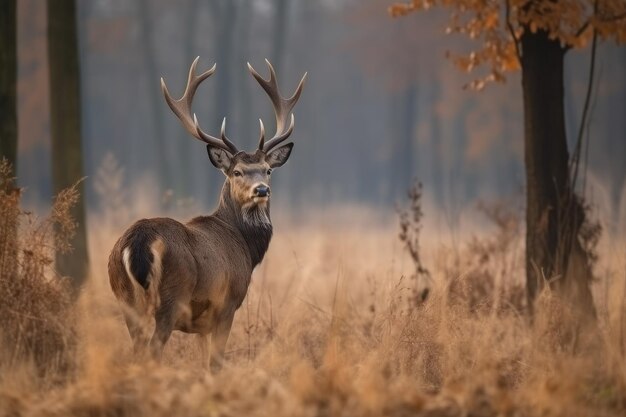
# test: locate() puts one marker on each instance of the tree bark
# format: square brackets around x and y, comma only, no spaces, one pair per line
[280,28]
[436,143]
[553,213]
[281,11]
[8,82]
[67,160]
[185,147]
[404,112]
[224,16]
[155,99]
[246,121]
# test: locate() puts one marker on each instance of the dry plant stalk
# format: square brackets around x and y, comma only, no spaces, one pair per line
[35,312]
[410,228]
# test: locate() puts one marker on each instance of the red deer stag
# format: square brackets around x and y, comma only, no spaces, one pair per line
[192,277]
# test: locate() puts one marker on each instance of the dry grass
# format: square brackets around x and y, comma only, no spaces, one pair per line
[330,328]
[36,317]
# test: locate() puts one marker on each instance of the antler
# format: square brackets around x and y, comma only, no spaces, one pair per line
[182,109]
[282,108]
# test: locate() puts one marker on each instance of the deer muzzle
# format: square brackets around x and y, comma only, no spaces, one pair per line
[261,190]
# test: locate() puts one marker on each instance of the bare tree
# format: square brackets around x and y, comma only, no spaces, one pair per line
[67,158]
[244,23]
[149,56]
[224,13]
[184,150]
[403,120]
[281,29]
[8,82]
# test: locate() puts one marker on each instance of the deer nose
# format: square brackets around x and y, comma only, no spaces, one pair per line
[262,191]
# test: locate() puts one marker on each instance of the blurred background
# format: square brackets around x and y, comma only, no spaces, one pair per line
[382,106]
[338,319]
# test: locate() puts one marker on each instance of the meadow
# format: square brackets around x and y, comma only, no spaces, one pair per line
[337,322]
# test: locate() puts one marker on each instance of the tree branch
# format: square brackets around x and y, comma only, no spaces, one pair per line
[583,28]
[512,31]
[575,160]
[603,20]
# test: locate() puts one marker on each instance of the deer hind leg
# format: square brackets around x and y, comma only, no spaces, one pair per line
[202,323]
[219,339]
[165,320]
[138,330]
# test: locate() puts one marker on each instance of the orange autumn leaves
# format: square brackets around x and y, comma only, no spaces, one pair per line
[480,20]
[497,26]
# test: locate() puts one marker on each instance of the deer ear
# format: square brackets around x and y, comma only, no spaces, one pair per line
[279,156]
[219,158]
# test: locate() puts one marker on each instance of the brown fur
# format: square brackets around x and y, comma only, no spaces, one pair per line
[199,272]
[193,277]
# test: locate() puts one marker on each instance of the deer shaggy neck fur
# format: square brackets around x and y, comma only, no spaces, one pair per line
[252,221]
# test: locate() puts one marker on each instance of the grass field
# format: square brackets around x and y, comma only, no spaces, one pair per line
[331,327]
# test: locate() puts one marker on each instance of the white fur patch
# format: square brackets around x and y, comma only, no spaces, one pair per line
[139,294]
[138,291]
[126,261]
[157,248]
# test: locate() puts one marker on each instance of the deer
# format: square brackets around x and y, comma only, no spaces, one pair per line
[192,277]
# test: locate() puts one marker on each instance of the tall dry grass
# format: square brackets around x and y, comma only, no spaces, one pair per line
[36,315]
[330,327]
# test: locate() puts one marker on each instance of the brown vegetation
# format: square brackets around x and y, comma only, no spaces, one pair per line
[326,330]
[36,320]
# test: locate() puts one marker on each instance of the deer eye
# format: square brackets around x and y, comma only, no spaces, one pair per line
[269,171]
[237,173]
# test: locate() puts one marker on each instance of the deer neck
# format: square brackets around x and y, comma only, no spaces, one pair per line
[254,223]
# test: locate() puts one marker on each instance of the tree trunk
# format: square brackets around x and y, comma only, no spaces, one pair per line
[67,159]
[248,130]
[8,82]
[280,27]
[224,16]
[436,143]
[553,214]
[185,147]
[404,111]
[9,204]
[224,58]
[155,98]
[281,9]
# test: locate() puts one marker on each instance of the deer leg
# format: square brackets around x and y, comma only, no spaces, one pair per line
[219,339]
[137,330]
[203,344]
[165,319]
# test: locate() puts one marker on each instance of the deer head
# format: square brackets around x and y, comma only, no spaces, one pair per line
[247,174]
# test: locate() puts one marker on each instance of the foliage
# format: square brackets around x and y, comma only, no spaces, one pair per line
[35,312]
[498,25]
[476,279]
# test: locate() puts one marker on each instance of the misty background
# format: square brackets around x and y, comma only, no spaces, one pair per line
[382,105]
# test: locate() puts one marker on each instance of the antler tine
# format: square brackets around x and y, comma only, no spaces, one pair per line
[223,142]
[182,108]
[228,143]
[262,137]
[272,143]
[282,106]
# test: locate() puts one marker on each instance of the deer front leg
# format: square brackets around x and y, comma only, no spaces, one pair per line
[219,339]
[203,345]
